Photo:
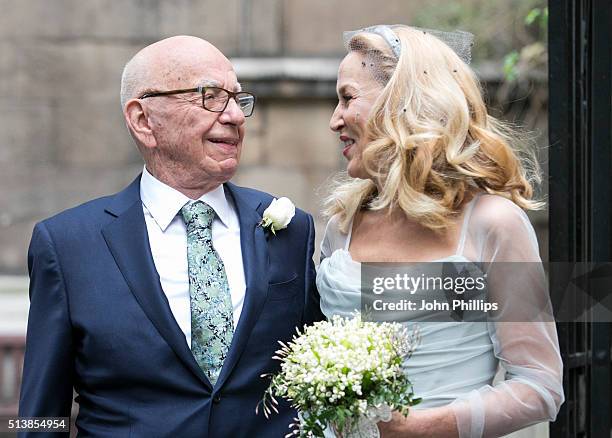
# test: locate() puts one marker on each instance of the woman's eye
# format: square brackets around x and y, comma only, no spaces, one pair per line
[346,97]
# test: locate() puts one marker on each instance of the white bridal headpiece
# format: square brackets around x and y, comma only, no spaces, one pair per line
[460,41]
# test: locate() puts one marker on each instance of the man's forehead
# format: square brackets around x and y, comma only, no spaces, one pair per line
[200,73]
[230,83]
[192,61]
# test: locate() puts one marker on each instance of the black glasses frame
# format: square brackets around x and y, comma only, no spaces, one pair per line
[202,89]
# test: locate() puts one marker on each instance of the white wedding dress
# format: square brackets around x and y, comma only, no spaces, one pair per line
[455,362]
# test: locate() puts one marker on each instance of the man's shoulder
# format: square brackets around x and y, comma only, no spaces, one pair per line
[90,212]
[79,211]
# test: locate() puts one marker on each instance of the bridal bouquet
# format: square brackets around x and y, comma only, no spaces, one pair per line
[343,373]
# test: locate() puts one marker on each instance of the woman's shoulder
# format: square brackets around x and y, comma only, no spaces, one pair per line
[498,224]
[500,230]
[334,238]
[494,213]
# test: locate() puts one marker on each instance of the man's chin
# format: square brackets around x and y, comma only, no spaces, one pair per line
[229,166]
[227,169]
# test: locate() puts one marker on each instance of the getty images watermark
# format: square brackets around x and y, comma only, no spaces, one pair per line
[501,291]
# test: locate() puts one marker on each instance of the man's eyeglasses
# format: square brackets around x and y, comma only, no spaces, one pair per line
[214,99]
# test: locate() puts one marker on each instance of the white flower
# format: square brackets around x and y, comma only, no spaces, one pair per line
[343,371]
[278,214]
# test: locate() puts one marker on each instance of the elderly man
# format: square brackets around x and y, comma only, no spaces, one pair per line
[162,305]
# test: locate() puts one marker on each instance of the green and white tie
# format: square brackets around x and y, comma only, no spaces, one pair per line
[212,322]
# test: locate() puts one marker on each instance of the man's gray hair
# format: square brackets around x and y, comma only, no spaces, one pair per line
[135,74]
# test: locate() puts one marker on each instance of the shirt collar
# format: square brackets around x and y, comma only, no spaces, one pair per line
[164,202]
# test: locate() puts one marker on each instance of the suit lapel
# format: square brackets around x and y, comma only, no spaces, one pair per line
[128,242]
[255,261]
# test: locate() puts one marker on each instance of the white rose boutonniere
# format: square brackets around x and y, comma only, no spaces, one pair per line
[278,214]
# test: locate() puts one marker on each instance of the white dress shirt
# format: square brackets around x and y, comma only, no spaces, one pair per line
[168,239]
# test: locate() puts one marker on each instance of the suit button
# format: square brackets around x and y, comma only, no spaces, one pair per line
[217,399]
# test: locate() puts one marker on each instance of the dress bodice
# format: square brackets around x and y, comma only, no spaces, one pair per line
[452,358]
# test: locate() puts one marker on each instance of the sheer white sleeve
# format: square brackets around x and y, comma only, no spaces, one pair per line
[333,238]
[524,336]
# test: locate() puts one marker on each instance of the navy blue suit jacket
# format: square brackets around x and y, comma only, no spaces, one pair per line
[100,323]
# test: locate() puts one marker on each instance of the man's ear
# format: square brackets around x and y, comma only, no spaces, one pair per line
[137,120]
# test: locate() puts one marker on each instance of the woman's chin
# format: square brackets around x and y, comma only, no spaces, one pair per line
[355,171]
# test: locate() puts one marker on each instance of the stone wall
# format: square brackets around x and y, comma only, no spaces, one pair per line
[62,137]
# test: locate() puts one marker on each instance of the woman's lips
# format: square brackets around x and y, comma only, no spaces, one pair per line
[348,143]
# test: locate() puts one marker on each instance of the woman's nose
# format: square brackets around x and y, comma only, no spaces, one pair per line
[336,121]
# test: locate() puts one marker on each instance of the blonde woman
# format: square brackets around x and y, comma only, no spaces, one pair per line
[432,177]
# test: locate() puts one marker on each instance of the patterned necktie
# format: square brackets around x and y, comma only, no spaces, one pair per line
[212,322]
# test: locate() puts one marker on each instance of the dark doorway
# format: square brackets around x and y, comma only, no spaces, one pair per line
[580,122]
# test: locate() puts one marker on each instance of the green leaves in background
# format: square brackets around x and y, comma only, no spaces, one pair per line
[531,56]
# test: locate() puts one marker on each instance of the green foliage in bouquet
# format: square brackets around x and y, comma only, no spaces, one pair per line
[340,370]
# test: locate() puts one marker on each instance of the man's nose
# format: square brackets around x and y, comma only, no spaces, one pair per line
[232,113]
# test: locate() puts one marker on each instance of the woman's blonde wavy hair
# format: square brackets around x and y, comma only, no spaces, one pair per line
[431,141]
